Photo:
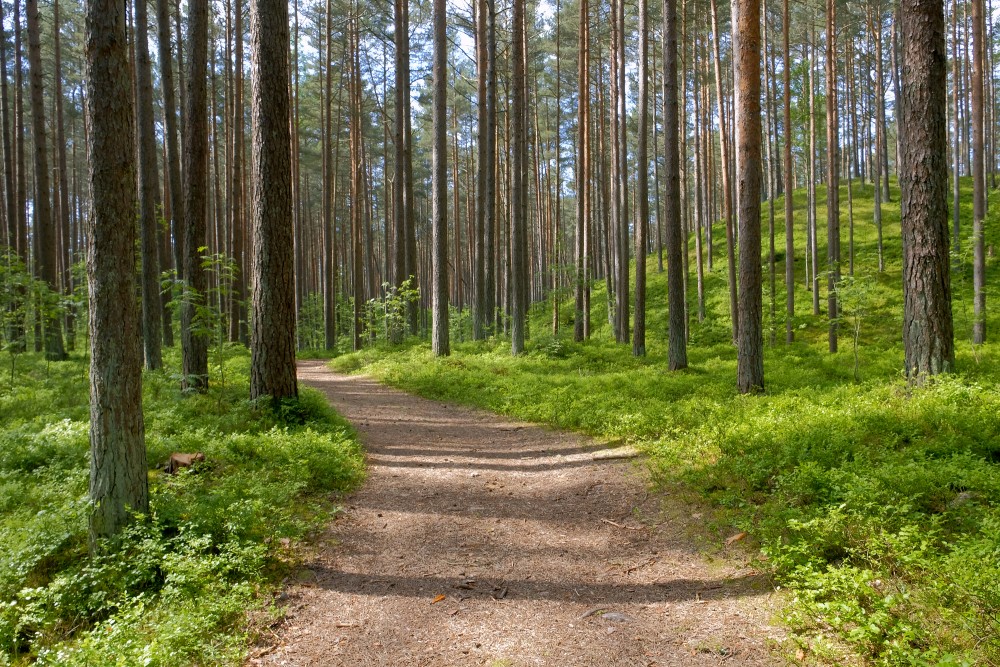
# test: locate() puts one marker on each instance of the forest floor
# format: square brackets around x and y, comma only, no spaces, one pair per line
[478,540]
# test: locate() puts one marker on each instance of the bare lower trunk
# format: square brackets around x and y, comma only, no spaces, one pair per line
[272,370]
[118,477]
[927,324]
[194,338]
[746,52]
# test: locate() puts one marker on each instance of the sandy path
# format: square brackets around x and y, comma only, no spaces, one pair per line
[481,541]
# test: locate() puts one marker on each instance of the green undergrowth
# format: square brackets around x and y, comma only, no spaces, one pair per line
[188,583]
[876,504]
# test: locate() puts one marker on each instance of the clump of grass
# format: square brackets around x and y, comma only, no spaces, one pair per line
[876,504]
[178,588]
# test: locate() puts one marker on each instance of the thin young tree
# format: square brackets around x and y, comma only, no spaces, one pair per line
[118,473]
[148,193]
[15,332]
[677,345]
[581,316]
[173,157]
[746,53]
[928,334]
[727,195]
[62,170]
[439,182]
[789,175]
[44,226]
[272,341]
[194,339]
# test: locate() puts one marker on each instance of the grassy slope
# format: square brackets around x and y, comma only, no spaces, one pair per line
[877,504]
[183,587]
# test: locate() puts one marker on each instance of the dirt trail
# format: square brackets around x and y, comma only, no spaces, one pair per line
[477,540]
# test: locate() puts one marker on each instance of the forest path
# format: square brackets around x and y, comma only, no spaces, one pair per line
[477,540]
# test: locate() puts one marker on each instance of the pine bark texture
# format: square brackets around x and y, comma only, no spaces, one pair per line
[402,71]
[118,476]
[519,204]
[485,165]
[642,186]
[194,341]
[173,158]
[978,172]
[746,53]
[789,174]
[928,335]
[272,346]
[148,194]
[832,174]
[439,183]
[581,316]
[237,306]
[44,225]
[677,345]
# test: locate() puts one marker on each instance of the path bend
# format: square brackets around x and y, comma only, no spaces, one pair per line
[479,540]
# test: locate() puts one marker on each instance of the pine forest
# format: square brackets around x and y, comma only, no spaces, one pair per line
[480,332]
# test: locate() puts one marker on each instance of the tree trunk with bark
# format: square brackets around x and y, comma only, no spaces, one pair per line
[439,183]
[928,334]
[118,472]
[194,337]
[272,341]
[978,172]
[832,173]
[746,53]
[44,227]
[676,246]
[789,181]
[149,194]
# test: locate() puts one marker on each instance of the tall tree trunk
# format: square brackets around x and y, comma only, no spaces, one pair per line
[789,175]
[677,344]
[881,168]
[194,340]
[956,93]
[357,188]
[727,196]
[978,172]
[832,173]
[928,335]
[44,226]
[439,181]
[148,194]
[118,473]
[642,183]
[479,308]
[237,224]
[813,245]
[489,220]
[173,159]
[769,135]
[15,331]
[272,345]
[519,186]
[746,53]
[330,193]
[700,201]
[581,317]
[63,200]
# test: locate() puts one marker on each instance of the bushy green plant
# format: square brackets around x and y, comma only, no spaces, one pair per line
[177,587]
